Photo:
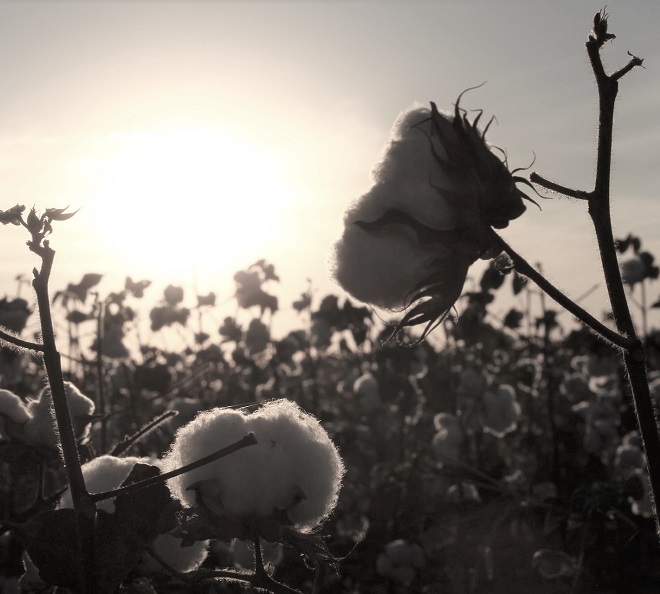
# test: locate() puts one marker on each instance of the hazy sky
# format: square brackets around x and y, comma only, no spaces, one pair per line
[226,132]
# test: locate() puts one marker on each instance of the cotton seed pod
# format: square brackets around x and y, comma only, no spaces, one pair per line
[408,242]
[292,473]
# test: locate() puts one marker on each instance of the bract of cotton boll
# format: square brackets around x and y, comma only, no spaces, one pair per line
[41,428]
[243,553]
[13,416]
[367,390]
[501,411]
[449,437]
[109,472]
[409,241]
[293,469]
[400,561]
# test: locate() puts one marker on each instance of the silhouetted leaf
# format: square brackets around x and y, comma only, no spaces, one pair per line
[13,216]
[122,536]
[173,295]
[50,540]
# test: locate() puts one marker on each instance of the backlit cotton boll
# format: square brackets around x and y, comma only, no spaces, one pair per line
[293,471]
[13,415]
[408,242]
[41,428]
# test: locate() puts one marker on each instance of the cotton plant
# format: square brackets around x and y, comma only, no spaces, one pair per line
[439,194]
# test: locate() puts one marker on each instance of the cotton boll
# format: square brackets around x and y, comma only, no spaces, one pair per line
[385,269]
[294,467]
[402,179]
[401,561]
[209,432]
[367,390]
[408,243]
[109,472]
[13,416]
[448,441]
[308,470]
[41,428]
[103,474]
[501,411]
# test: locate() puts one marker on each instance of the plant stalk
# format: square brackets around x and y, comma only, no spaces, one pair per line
[82,504]
[599,211]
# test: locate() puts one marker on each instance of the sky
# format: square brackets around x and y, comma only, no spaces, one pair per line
[197,138]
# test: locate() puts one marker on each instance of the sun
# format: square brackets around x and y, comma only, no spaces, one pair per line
[189,200]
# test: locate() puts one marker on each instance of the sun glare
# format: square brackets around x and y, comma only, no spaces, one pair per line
[189,200]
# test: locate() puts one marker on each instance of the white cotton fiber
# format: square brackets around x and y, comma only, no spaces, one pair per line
[41,428]
[294,468]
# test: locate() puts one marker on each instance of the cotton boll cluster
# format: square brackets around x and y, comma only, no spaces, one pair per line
[109,472]
[34,423]
[294,469]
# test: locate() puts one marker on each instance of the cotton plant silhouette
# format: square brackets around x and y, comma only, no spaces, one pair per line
[438,196]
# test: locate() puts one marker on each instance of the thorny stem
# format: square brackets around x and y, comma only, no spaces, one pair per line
[83,506]
[599,210]
[526,269]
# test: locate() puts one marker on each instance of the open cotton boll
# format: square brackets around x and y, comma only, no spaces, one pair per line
[109,472]
[293,467]
[13,414]
[41,427]
[103,474]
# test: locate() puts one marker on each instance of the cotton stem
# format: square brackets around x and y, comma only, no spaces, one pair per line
[599,211]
